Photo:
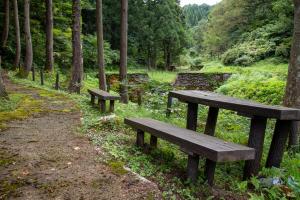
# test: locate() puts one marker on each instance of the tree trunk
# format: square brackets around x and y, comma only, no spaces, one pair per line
[49,36]
[100,44]
[123,51]
[17,32]
[3,93]
[6,23]
[292,95]
[77,64]
[28,42]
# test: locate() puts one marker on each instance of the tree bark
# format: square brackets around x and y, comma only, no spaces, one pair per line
[28,42]
[100,44]
[77,64]
[6,23]
[17,35]
[49,36]
[123,51]
[3,93]
[292,95]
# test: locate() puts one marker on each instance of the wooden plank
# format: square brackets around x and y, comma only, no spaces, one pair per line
[242,106]
[192,116]
[256,141]
[204,145]
[280,136]
[103,94]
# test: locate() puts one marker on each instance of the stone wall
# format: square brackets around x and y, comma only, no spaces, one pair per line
[136,78]
[201,81]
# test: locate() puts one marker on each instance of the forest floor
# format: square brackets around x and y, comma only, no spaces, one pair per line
[44,156]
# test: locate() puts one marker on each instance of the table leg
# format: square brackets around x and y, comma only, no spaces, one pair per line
[192,167]
[279,140]
[192,115]
[256,141]
[211,121]
[169,105]
[210,128]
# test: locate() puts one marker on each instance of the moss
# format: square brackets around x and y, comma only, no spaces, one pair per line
[27,106]
[5,159]
[117,167]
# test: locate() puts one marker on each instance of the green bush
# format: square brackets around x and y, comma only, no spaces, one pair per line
[196,64]
[248,52]
[257,86]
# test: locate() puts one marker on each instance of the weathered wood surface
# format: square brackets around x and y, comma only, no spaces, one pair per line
[241,106]
[203,145]
[256,141]
[103,95]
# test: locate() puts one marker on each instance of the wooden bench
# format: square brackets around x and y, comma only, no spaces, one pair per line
[103,96]
[195,144]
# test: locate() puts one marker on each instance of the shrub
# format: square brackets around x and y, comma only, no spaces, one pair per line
[254,50]
[244,60]
[196,64]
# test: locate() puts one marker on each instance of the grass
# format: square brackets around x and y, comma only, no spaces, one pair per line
[264,82]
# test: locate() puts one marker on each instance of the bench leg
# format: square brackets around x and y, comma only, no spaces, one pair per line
[256,141]
[102,105]
[92,99]
[112,106]
[279,140]
[153,141]
[140,139]
[169,105]
[209,172]
[294,137]
[192,167]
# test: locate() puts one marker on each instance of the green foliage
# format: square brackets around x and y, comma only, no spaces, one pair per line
[195,13]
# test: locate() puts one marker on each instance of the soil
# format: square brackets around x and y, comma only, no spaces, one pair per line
[45,157]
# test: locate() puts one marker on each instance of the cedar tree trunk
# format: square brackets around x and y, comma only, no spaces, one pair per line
[49,36]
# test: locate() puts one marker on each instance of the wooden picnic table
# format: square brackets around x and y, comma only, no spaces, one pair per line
[259,114]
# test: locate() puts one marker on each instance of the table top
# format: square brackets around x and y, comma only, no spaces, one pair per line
[244,107]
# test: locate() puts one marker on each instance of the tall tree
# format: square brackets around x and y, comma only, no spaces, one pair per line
[292,95]
[6,23]
[49,36]
[17,34]
[28,42]
[123,51]
[77,64]
[100,44]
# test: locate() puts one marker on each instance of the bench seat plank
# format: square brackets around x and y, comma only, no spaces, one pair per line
[103,95]
[204,145]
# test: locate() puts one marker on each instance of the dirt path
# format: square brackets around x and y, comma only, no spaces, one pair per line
[43,157]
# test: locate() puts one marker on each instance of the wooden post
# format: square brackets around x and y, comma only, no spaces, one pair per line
[256,141]
[169,106]
[153,141]
[140,98]
[140,138]
[210,168]
[192,115]
[294,137]
[211,121]
[33,73]
[42,76]
[57,81]
[278,143]
[210,128]
[92,99]
[112,106]
[192,167]
[102,105]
